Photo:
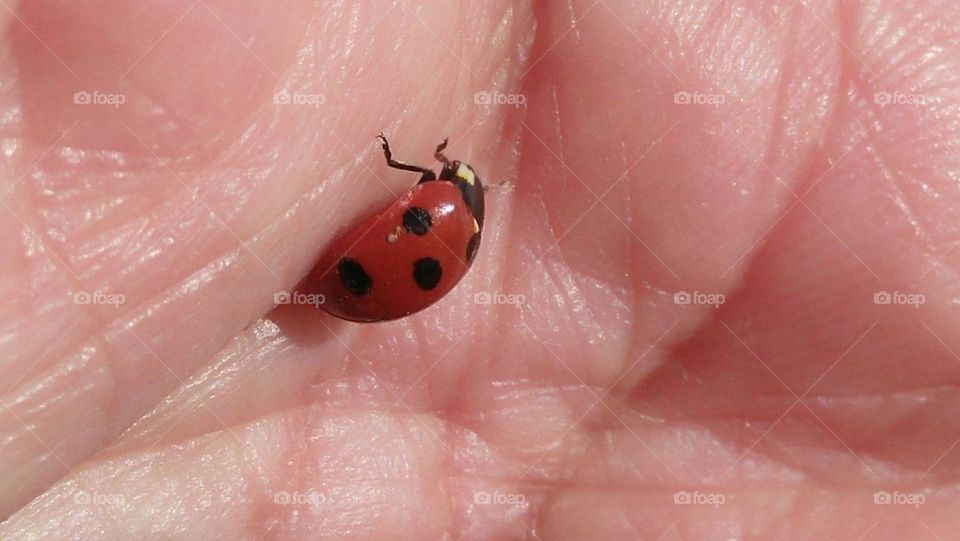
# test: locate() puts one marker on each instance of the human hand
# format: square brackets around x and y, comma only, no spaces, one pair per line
[786,162]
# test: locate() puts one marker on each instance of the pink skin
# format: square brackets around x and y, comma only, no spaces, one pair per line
[184,411]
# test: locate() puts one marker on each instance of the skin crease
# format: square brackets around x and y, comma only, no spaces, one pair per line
[182,412]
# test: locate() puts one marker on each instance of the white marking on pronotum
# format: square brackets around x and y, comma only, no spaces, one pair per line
[466,174]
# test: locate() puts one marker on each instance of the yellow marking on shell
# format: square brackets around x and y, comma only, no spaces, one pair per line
[466,174]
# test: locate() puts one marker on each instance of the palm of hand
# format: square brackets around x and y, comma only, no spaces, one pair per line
[789,162]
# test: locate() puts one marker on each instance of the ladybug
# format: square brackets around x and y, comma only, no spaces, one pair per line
[411,253]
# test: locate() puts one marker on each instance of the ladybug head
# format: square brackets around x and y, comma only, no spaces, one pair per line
[466,179]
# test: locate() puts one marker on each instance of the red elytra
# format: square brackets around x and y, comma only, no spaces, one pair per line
[408,255]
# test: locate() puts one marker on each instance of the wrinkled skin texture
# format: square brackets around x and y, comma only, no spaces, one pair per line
[182,412]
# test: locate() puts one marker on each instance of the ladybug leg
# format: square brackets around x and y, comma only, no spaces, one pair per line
[503,185]
[438,154]
[449,169]
[427,174]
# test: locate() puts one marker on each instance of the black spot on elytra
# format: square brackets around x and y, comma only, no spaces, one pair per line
[417,221]
[472,247]
[427,273]
[353,277]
